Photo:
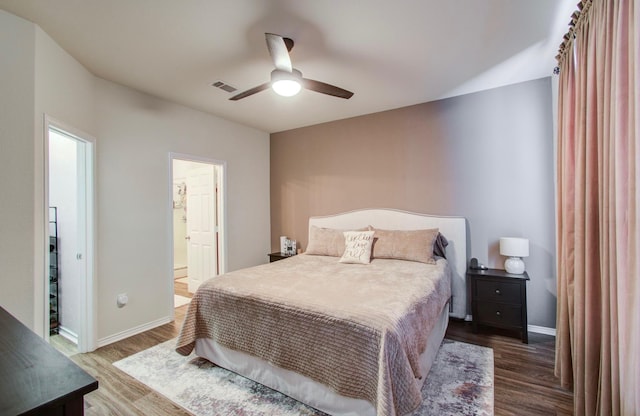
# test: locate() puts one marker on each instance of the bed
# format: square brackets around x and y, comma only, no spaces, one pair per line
[347,337]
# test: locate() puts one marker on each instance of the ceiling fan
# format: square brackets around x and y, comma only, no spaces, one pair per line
[285,79]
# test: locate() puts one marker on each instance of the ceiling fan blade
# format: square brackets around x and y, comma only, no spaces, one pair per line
[279,52]
[325,88]
[250,91]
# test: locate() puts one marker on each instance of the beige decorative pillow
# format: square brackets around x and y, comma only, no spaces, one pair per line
[357,247]
[325,242]
[412,245]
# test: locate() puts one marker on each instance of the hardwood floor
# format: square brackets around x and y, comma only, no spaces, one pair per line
[118,393]
[180,288]
[524,380]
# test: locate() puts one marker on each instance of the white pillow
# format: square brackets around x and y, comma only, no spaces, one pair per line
[357,247]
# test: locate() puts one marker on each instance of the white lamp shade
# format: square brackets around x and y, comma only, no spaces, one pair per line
[514,247]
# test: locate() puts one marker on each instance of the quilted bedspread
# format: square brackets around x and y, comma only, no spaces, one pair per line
[358,329]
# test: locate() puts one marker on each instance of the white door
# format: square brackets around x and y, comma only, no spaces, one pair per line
[201,225]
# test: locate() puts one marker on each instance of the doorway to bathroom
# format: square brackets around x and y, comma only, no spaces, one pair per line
[197,206]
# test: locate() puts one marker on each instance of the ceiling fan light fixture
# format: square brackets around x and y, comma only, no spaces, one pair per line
[286,84]
[286,87]
[285,79]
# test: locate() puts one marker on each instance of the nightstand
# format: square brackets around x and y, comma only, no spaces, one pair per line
[499,300]
[278,256]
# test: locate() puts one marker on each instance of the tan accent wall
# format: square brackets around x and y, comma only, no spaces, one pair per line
[379,160]
[486,156]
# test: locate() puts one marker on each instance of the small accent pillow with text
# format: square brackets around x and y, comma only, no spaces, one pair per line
[357,247]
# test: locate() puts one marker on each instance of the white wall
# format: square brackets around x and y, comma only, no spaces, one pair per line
[64,91]
[17,90]
[137,133]
[134,135]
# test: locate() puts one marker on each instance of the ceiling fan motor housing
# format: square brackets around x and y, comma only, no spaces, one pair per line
[278,75]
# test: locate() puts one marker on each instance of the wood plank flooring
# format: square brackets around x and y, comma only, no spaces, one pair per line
[524,380]
[181,289]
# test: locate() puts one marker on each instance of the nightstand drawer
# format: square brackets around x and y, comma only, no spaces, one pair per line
[499,314]
[496,291]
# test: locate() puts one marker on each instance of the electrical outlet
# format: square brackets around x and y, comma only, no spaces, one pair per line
[122,300]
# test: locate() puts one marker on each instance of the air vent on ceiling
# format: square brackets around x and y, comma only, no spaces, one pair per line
[223,86]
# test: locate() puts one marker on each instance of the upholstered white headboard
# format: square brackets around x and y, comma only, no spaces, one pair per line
[453,228]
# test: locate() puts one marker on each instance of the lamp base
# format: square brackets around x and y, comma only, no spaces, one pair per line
[514,265]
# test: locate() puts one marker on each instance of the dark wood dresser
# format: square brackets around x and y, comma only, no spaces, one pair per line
[499,300]
[35,378]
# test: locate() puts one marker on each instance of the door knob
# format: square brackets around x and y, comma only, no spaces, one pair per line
[187,238]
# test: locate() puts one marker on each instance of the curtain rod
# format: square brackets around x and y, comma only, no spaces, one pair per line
[577,19]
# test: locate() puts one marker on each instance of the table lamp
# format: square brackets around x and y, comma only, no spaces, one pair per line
[514,248]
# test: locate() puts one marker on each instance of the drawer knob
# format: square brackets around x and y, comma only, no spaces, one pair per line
[497,291]
[498,313]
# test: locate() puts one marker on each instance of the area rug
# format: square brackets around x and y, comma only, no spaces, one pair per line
[180,301]
[459,383]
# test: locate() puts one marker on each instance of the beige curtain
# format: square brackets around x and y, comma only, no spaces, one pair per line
[598,315]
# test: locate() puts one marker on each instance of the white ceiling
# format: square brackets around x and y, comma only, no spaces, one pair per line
[391,54]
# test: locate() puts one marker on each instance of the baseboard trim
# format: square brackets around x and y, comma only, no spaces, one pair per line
[133,331]
[542,330]
[531,328]
[180,272]
[67,334]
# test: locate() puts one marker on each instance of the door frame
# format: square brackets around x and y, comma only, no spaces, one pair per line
[222,215]
[87,337]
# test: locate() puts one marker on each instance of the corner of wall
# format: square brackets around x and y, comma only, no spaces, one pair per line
[17,100]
